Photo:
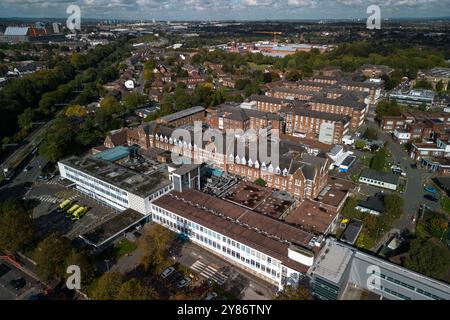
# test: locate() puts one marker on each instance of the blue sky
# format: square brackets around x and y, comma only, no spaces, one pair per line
[225,9]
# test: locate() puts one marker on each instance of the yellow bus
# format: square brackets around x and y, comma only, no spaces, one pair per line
[79,213]
[64,204]
[73,208]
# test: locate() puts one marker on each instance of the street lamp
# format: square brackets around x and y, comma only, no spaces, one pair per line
[107,265]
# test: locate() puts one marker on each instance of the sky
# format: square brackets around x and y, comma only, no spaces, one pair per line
[225,9]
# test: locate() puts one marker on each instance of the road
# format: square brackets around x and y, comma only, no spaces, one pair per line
[17,187]
[414,192]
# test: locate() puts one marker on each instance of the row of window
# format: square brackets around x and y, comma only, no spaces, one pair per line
[98,188]
[188,227]
[410,287]
[100,182]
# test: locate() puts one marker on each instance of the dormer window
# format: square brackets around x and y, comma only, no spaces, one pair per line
[263,166]
[257,164]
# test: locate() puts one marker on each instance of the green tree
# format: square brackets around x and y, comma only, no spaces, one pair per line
[107,286]
[379,160]
[155,243]
[370,134]
[75,111]
[166,105]
[134,290]
[134,100]
[360,144]
[26,118]
[429,257]
[349,209]
[50,256]
[294,293]
[86,264]
[17,230]
[57,141]
[261,182]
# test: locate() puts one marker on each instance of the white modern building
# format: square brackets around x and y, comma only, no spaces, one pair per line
[343,272]
[115,185]
[270,249]
[375,178]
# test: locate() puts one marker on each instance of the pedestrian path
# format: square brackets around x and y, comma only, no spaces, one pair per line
[209,272]
[51,199]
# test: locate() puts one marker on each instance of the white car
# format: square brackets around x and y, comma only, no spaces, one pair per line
[167,272]
[184,282]
[211,296]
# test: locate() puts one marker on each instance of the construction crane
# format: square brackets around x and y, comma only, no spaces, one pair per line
[274,33]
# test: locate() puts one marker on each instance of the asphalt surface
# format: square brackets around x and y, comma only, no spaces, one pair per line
[414,192]
[8,292]
[22,181]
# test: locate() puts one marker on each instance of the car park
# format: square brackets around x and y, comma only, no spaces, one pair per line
[167,272]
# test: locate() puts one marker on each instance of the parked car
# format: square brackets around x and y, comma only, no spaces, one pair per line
[18,283]
[184,282]
[211,296]
[430,189]
[430,197]
[176,277]
[413,165]
[27,168]
[167,272]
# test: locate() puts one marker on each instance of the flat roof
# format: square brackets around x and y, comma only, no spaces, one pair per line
[332,261]
[270,236]
[139,183]
[311,216]
[109,229]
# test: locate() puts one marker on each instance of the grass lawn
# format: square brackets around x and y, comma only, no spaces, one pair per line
[119,249]
[445,203]
[258,66]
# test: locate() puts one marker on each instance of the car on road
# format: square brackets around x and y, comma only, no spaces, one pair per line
[430,189]
[184,282]
[27,168]
[167,272]
[413,165]
[18,283]
[430,197]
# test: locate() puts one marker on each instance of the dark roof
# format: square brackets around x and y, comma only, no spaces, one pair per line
[375,203]
[352,231]
[346,100]
[112,227]
[387,177]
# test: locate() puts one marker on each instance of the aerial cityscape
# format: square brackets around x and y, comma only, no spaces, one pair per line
[232,150]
